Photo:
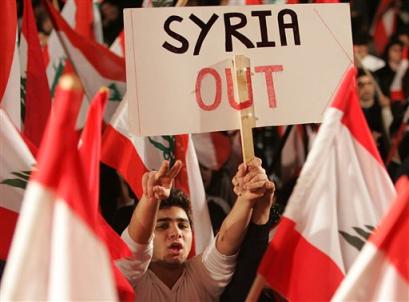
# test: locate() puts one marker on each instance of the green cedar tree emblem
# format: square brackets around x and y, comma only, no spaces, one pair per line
[20,180]
[23,92]
[358,239]
[168,151]
[58,69]
[114,94]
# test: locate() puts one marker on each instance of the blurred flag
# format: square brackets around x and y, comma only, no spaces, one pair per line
[10,65]
[16,164]
[381,271]
[341,194]
[36,99]
[95,65]
[64,256]
[384,24]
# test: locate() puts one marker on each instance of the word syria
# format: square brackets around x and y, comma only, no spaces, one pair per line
[232,30]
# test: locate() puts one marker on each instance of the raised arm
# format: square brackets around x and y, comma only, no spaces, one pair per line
[250,184]
[156,186]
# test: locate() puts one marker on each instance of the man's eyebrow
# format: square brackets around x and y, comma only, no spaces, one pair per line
[168,219]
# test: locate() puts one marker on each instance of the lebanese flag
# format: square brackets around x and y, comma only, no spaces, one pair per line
[132,156]
[10,65]
[64,256]
[77,15]
[37,99]
[381,272]
[16,164]
[341,194]
[90,154]
[118,47]
[384,24]
[397,93]
[95,64]
[213,149]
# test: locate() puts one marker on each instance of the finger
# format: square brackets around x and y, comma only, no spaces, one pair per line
[237,191]
[151,183]
[256,178]
[160,193]
[251,175]
[174,171]
[256,185]
[163,169]
[145,182]
[234,181]
[255,194]
[256,162]
[241,170]
[270,186]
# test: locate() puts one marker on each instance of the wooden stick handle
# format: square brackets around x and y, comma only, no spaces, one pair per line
[247,118]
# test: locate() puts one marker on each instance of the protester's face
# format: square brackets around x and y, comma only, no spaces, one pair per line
[173,236]
[366,88]
[360,51]
[395,53]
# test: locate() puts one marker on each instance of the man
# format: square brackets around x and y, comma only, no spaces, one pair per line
[160,237]
[377,114]
[361,52]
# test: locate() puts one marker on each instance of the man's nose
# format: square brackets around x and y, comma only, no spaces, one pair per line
[175,232]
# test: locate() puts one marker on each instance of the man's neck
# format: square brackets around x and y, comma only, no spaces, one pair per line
[168,273]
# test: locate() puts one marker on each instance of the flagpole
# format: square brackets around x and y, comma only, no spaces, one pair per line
[247,118]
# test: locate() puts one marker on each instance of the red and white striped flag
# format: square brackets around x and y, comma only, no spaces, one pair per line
[384,24]
[16,164]
[132,156]
[118,47]
[95,64]
[65,258]
[381,271]
[397,93]
[34,84]
[341,194]
[213,149]
[10,64]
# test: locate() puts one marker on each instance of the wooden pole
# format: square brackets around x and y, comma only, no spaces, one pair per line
[247,118]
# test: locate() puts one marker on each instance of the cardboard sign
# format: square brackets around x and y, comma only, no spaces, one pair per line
[180,75]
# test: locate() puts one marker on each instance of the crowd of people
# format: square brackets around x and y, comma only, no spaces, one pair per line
[240,197]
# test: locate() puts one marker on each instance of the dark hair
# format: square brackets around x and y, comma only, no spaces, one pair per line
[393,41]
[361,38]
[178,199]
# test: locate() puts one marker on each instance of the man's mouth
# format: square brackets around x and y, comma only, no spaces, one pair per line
[175,248]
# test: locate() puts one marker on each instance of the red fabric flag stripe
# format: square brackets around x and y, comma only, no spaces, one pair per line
[302,272]
[62,122]
[392,235]
[38,99]
[108,64]
[84,18]
[127,162]
[8,15]
[8,220]
[347,101]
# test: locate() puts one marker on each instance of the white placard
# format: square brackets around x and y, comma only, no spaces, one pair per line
[298,56]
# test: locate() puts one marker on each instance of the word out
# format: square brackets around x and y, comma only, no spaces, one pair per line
[232,30]
[211,72]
